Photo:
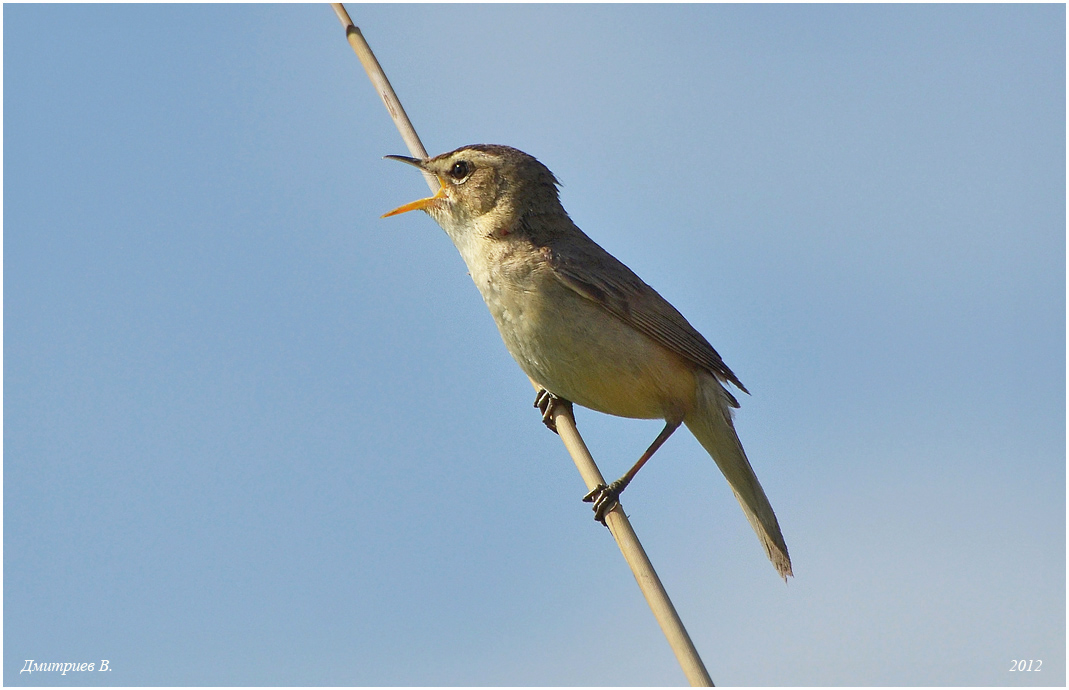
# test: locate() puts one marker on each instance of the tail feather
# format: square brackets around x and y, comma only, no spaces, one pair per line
[710,422]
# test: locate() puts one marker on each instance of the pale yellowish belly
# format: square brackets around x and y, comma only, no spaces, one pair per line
[584,354]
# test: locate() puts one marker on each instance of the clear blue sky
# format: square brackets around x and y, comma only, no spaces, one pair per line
[253,434]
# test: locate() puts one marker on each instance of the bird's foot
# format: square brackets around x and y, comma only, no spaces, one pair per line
[604,498]
[546,402]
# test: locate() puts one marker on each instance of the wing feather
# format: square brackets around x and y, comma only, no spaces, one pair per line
[598,276]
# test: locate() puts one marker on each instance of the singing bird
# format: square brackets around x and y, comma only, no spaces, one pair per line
[581,324]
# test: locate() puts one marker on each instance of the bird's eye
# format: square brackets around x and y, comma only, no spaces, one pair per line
[459,170]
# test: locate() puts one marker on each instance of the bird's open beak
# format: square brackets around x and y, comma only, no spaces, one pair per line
[419,204]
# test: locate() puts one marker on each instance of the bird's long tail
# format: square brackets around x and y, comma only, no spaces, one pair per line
[710,422]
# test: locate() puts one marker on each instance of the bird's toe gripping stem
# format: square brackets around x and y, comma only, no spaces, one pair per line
[546,402]
[605,498]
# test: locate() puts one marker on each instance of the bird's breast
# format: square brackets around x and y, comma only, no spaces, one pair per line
[576,349]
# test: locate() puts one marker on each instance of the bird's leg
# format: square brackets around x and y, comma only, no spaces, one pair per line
[546,402]
[605,497]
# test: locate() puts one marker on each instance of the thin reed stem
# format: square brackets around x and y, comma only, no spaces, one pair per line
[615,519]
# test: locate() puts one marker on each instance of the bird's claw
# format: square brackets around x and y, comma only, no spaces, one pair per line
[546,402]
[604,498]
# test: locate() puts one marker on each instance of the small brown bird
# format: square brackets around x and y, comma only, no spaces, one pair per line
[581,324]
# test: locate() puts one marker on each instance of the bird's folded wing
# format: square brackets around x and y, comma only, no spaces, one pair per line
[597,275]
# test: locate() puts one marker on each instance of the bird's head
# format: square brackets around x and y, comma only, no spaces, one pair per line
[484,184]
